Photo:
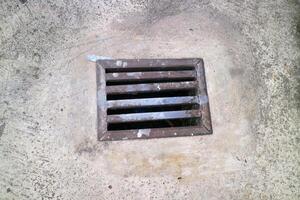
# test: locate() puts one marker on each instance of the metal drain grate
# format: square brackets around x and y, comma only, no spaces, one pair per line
[151,98]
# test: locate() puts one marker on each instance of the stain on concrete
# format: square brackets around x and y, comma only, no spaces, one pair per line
[23,1]
[86,147]
[236,72]
[133,164]
[35,72]
[2,127]
[37,58]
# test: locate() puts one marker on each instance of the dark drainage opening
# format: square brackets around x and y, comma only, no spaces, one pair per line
[148,68]
[158,80]
[151,98]
[155,124]
[141,95]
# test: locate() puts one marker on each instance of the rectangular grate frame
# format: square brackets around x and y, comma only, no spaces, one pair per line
[151,98]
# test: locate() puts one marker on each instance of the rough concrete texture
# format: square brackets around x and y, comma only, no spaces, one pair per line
[48,145]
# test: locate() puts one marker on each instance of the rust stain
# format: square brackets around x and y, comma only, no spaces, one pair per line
[136,164]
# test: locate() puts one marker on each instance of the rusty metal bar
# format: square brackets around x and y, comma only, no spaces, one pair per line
[202,90]
[146,63]
[101,101]
[131,103]
[154,133]
[162,75]
[153,116]
[151,87]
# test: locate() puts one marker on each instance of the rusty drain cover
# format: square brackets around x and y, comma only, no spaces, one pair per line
[151,98]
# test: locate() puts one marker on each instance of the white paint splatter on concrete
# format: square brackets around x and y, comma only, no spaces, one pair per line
[119,63]
[143,132]
[115,75]
[134,73]
[94,58]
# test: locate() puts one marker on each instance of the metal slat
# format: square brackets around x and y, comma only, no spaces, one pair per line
[114,77]
[202,90]
[101,100]
[146,63]
[153,116]
[154,133]
[151,87]
[130,103]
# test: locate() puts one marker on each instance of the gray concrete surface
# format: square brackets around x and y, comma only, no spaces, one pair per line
[48,146]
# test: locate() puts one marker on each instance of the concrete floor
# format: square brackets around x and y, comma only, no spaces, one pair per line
[48,145]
